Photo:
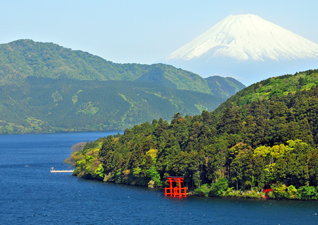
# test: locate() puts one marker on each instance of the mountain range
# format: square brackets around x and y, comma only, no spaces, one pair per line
[23,58]
[47,88]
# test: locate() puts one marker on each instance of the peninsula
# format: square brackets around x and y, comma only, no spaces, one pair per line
[263,137]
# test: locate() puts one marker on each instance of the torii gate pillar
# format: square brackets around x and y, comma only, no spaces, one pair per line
[175,191]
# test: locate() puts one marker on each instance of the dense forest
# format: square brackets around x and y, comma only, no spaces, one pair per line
[264,136]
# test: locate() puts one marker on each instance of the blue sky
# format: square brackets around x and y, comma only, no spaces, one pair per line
[140,31]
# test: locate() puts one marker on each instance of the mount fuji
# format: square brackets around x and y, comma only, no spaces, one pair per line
[248,48]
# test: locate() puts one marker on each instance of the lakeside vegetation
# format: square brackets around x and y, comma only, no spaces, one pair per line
[250,142]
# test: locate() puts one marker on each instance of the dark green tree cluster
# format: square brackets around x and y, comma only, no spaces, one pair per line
[237,147]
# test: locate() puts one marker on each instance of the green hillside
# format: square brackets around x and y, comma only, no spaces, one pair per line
[24,58]
[274,87]
[51,105]
[249,143]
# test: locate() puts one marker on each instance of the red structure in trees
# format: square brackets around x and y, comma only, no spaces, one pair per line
[267,190]
[176,191]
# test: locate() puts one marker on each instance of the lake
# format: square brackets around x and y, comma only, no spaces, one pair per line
[30,194]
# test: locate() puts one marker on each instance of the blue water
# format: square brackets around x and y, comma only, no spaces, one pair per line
[30,194]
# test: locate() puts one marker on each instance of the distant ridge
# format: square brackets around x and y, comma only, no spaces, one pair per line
[23,58]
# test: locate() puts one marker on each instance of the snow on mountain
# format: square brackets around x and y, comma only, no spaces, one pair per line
[248,48]
[246,37]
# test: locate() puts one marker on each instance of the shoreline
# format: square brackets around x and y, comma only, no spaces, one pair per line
[191,193]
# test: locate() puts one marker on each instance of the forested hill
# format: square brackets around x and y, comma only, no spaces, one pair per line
[252,141]
[67,105]
[273,87]
[24,58]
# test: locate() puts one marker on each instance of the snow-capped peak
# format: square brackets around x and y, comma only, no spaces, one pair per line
[246,37]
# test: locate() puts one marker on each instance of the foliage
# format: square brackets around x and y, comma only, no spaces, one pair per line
[218,188]
[271,195]
[253,194]
[203,190]
[154,176]
[307,193]
[292,192]
[280,191]
[99,171]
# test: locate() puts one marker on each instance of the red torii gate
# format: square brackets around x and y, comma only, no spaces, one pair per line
[175,191]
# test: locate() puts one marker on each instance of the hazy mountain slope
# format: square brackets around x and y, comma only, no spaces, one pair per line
[224,86]
[50,105]
[182,79]
[156,76]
